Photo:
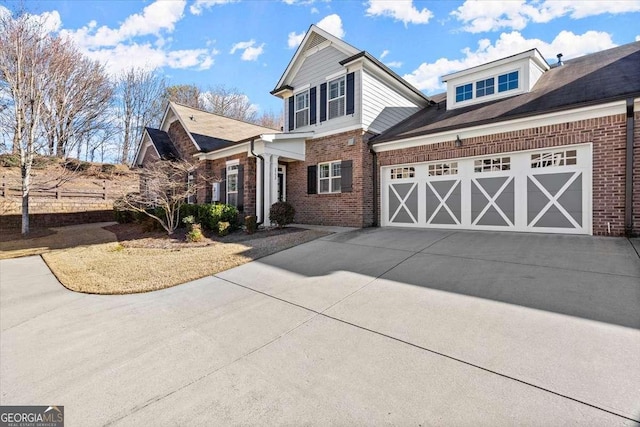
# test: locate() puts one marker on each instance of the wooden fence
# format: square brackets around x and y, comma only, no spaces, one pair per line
[11,187]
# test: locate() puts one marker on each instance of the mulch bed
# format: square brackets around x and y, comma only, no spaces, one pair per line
[134,236]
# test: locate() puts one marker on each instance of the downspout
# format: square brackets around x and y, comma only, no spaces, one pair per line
[261,187]
[375,188]
[628,201]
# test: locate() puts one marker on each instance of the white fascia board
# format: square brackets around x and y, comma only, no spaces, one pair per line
[489,65]
[337,131]
[271,137]
[294,150]
[224,152]
[567,116]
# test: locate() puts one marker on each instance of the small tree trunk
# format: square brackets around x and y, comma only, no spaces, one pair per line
[25,199]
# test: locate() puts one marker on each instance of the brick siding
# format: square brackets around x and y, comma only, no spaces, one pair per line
[249,170]
[608,135]
[353,209]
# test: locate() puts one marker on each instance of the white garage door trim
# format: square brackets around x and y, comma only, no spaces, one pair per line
[544,190]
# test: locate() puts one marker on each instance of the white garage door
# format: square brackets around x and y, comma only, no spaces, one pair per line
[536,191]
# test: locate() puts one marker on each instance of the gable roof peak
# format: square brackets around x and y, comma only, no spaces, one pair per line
[314,37]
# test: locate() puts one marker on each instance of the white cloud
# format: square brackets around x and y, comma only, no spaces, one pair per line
[331,24]
[125,56]
[384,53]
[492,15]
[49,21]
[427,76]
[638,38]
[199,5]
[157,17]
[400,10]
[393,64]
[314,10]
[250,52]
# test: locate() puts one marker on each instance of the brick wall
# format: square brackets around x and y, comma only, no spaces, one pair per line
[608,135]
[347,209]
[181,140]
[249,169]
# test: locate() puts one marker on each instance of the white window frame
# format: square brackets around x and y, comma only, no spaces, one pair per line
[492,164]
[329,178]
[232,170]
[403,172]
[191,198]
[557,158]
[296,110]
[340,98]
[442,169]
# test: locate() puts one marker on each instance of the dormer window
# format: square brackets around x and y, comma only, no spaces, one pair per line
[464,92]
[508,81]
[336,99]
[302,109]
[485,87]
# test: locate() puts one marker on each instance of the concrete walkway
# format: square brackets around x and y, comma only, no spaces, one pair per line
[364,327]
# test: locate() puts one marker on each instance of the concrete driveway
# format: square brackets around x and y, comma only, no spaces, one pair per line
[375,326]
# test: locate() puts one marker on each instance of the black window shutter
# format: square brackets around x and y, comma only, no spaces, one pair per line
[223,185]
[240,188]
[208,191]
[312,105]
[323,102]
[346,176]
[312,179]
[350,93]
[291,112]
[194,198]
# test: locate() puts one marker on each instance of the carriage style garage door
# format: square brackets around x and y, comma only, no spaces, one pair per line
[535,191]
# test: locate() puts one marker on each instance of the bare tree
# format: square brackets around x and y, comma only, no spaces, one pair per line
[139,96]
[229,103]
[25,53]
[188,95]
[165,185]
[272,120]
[77,99]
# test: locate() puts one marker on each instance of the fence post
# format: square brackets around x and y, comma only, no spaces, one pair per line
[4,185]
[104,189]
[58,193]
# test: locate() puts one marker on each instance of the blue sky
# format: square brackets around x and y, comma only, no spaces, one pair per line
[248,44]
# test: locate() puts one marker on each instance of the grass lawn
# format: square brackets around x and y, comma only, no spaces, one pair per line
[101,264]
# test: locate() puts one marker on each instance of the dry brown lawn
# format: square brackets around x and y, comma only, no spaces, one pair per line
[100,264]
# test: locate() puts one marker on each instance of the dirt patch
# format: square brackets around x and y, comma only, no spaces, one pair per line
[34,233]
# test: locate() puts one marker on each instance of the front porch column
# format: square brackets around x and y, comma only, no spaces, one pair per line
[259,183]
[270,184]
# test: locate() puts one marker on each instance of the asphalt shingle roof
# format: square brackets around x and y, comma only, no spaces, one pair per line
[213,132]
[600,77]
[160,139]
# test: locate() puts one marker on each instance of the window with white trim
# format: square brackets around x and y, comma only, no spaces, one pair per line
[464,92]
[554,158]
[508,81]
[232,185]
[302,109]
[336,98]
[438,169]
[191,197]
[402,173]
[492,164]
[329,177]
[484,87]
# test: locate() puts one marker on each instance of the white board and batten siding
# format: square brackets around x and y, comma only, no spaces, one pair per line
[314,72]
[382,106]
